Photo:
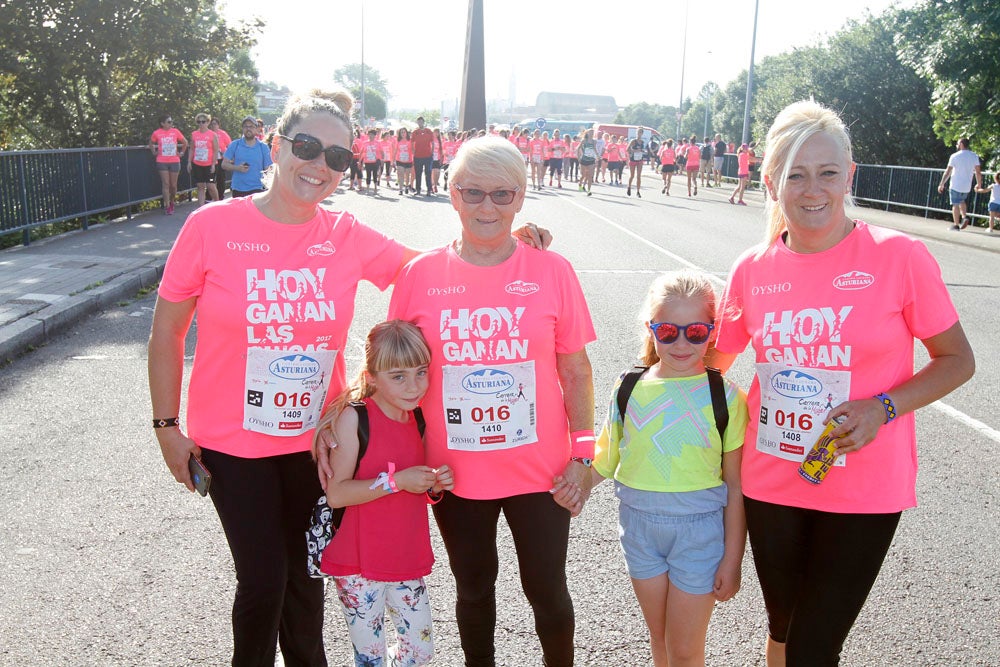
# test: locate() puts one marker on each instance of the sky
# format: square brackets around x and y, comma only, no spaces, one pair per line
[566,46]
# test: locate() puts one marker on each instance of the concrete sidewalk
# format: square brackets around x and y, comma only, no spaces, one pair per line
[51,284]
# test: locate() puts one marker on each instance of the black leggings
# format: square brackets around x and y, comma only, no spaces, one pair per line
[540,529]
[371,172]
[815,570]
[264,505]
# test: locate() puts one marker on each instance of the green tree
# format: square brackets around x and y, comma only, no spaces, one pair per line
[955,46]
[349,76]
[660,117]
[100,72]
[375,104]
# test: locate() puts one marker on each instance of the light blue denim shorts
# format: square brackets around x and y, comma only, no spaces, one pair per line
[957,197]
[688,548]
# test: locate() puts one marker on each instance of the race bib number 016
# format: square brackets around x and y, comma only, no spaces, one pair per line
[285,391]
[489,407]
[793,404]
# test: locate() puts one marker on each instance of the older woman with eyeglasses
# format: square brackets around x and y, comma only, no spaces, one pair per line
[272,278]
[510,407]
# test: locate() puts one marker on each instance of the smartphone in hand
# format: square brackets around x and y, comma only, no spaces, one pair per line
[200,476]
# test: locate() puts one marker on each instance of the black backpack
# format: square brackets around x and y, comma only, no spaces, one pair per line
[716,388]
[325,520]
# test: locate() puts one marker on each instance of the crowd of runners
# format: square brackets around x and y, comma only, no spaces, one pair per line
[414,162]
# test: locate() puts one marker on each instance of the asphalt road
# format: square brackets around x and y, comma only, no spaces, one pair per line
[105,560]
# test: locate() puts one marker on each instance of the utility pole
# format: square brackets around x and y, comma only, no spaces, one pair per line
[472,107]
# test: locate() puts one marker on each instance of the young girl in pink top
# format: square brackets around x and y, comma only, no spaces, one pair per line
[382,550]
[693,157]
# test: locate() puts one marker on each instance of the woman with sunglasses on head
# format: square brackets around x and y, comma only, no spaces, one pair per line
[676,469]
[272,279]
[201,159]
[510,407]
[168,144]
[831,307]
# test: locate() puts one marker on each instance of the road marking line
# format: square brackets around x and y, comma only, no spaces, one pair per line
[654,246]
[944,408]
[971,422]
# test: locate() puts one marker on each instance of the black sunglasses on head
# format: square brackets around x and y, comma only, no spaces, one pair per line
[306,147]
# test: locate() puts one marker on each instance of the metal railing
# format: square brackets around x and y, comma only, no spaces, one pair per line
[900,187]
[44,187]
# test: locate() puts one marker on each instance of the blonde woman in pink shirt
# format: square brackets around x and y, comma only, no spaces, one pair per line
[831,308]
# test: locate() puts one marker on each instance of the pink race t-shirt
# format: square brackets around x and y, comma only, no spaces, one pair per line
[829,327]
[224,141]
[693,157]
[203,147]
[743,160]
[167,144]
[494,408]
[281,294]
[667,155]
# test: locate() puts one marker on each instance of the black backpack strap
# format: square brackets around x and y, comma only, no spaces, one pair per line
[717,388]
[362,410]
[625,388]
[418,415]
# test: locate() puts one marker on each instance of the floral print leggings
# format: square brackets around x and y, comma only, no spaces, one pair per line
[365,602]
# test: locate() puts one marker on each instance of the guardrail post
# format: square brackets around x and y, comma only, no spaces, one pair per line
[927,201]
[888,190]
[128,188]
[83,186]
[26,235]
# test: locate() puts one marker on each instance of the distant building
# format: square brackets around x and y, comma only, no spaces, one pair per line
[574,105]
[270,101]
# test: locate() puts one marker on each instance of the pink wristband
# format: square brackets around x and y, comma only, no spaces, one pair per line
[392,479]
[582,444]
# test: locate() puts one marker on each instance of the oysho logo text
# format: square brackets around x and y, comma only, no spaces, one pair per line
[248,247]
[777,288]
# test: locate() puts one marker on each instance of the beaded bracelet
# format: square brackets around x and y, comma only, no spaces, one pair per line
[887,405]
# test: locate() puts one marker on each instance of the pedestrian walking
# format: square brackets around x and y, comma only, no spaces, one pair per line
[247,158]
[168,144]
[201,158]
[963,166]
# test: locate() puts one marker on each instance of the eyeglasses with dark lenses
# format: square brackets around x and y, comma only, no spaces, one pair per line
[474,196]
[696,333]
[202,120]
[306,147]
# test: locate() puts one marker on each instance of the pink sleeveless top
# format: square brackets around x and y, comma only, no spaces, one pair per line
[386,539]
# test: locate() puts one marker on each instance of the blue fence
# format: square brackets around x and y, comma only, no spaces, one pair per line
[42,187]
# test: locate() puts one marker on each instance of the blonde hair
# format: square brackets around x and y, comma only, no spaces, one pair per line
[683,284]
[390,344]
[337,102]
[791,128]
[484,157]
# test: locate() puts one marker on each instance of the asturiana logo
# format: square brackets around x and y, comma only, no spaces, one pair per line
[796,384]
[321,249]
[521,288]
[294,367]
[853,280]
[487,381]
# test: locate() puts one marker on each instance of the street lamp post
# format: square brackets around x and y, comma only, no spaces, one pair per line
[680,104]
[362,116]
[746,108]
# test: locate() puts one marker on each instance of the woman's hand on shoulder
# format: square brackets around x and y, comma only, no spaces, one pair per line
[533,235]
